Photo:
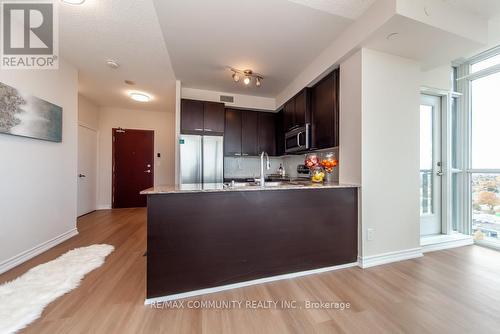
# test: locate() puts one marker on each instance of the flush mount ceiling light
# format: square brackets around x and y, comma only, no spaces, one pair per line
[73,2]
[392,36]
[139,97]
[112,63]
[247,75]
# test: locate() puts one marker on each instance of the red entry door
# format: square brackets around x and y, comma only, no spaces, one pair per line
[133,167]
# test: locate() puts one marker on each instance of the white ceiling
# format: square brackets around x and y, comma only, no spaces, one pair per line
[276,38]
[127,31]
[430,46]
[485,8]
[351,9]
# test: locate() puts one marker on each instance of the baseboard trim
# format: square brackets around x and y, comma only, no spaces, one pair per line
[246,283]
[26,255]
[384,258]
[447,244]
[103,207]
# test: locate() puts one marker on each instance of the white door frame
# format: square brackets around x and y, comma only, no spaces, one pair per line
[95,167]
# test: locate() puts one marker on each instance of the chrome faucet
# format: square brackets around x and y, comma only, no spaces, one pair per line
[268,166]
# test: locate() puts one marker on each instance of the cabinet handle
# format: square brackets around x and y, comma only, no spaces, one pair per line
[209,130]
[245,154]
[198,129]
[237,154]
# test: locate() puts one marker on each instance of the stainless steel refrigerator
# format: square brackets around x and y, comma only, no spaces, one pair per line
[201,159]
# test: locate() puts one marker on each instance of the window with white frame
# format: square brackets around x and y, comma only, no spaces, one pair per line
[480,83]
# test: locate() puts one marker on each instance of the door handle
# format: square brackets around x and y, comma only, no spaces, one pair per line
[298,138]
[439,173]
[81,175]
[147,171]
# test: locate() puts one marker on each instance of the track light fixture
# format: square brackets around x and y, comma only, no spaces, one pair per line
[247,75]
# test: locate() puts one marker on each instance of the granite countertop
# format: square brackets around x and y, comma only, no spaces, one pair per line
[220,187]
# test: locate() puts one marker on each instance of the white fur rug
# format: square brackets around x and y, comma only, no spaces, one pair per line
[23,299]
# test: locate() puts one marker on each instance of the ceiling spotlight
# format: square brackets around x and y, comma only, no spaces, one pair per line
[247,75]
[73,2]
[112,63]
[139,97]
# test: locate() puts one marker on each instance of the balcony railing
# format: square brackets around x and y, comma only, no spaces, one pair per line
[426,192]
[486,206]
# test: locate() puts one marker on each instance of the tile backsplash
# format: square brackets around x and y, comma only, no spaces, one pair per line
[249,167]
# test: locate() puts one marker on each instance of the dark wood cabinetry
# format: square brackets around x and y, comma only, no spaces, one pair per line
[210,249]
[289,114]
[213,116]
[267,133]
[232,134]
[249,131]
[325,112]
[302,108]
[297,110]
[201,117]
[280,133]
[191,116]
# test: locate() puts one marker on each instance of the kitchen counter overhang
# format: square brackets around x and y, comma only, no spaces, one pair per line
[201,239]
[221,187]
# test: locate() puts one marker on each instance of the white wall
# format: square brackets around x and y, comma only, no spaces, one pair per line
[439,78]
[379,142]
[38,178]
[163,123]
[350,120]
[88,113]
[390,152]
[240,101]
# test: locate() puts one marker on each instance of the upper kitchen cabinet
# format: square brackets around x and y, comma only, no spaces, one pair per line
[325,112]
[280,133]
[191,116]
[232,134]
[202,117]
[297,110]
[213,116]
[267,133]
[289,114]
[249,131]
[302,108]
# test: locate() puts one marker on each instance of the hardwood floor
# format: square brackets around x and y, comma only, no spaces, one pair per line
[453,291]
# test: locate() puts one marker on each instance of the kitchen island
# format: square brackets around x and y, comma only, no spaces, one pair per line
[203,238]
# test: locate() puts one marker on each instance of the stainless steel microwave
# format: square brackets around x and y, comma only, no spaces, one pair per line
[298,139]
